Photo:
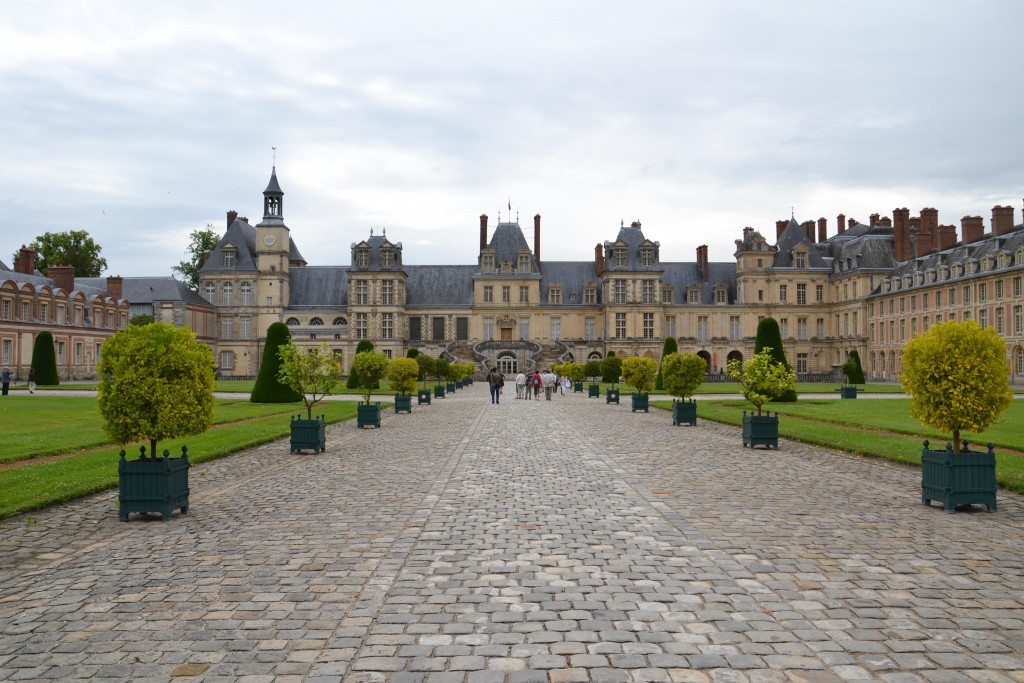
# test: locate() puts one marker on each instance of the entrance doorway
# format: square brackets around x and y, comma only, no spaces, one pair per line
[507,364]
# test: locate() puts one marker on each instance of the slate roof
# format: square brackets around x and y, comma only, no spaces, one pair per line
[243,237]
[439,286]
[508,240]
[91,287]
[3,266]
[147,290]
[376,243]
[319,286]
[632,236]
[794,236]
[572,275]
[684,275]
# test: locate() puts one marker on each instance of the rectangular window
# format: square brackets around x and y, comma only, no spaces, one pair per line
[648,326]
[437,329]
[801,362]
[60,353]
[913,327]
[362,293]
[387,353]
[524,263]
[6,310]
[462,328]
[801,260]
[524,294]
[387,325]
[78,353]
[924,301]
[967,296]
[721,296]
[589,329]
[228,258]
[620,325]
[8,349]
[554,295]
[819,293]
[938,299]
[524,328]
[387,292]
[488,329]
[924,323]
[245,327]
[506,294]
[784,327]
[556,328]
[666,295]
[999,289]
[801,329]
[43,313]
[25,312]
[415,329]
[856,324]
[760,295]
[782,293]
[693,296]
[590,295]
[487,265]
[362,332]
[913,303]
[734,328]
[619,291]
[488,294]
[1000,320]
[647,292]
[1018,319]
[982,292]
[846,324]
[819,329]
[903,329]
[670,326]
[227,360]
[801,294]
[227,328]
[1017,286]
[983,317]
[702,328]
[903,304]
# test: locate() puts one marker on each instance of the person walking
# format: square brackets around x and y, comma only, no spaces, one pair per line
[548,378]
[494,382]
[31,380]
[566,385]
[536,382]
[5,379]
[520,385]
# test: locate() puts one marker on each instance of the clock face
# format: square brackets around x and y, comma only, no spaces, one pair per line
[268,240]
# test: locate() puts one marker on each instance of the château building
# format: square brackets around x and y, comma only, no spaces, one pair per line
[869,286]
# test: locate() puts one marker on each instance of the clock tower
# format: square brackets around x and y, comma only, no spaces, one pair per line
[273,243]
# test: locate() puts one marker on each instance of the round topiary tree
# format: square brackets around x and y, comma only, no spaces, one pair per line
[412,353]
[44,360]
[592,368]
[684,372]
[426,364]
[611,368]
[402,374]
[668,348]
[269,388]
[852,369]
[639,372]
[353,375]
[372,366]
[762,377]
[956,377]
[311,373]
[769,337]
[157,384]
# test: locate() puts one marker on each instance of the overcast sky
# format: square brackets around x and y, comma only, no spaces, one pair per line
[139,122]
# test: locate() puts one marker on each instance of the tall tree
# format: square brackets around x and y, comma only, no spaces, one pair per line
[269,388]
[44,360]
[200,242]
[72,248]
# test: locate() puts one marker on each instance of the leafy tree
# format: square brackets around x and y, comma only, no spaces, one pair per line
[769,337]
[668,348]
[142,319]
[412,353]
[72,248]
[311,373]
[402,374]
[956,377]
[200,242]
[443,369]
[426,364]
[269,388]
[371,367]
[852,368]
[683,372]
[639,372]
[762,377]
[611,368]
[577,371]
[353,375]
[44,360]
[157,384]
[592,368]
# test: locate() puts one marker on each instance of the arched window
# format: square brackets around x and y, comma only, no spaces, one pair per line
[594,355]
[339,321]
[246,290]
[1020,360]
[291,322]
[228,294]
[316,321]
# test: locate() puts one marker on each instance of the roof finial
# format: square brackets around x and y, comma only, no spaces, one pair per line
[384,231]
[275,155]
[792,215]
[622,222]
[371,231]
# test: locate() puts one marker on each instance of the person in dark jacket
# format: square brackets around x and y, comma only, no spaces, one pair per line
[5,379]
[494,381]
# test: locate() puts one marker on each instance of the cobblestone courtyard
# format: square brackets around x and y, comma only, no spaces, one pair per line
[530,541]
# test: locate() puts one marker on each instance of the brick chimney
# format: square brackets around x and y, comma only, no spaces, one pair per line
[947,237]
[971,228]
[483,231]
[850,222]
[599,260]
[64,276]
[115,287]
[232,215]
[885,222]
[841,222]
[702,262]
[873,220]
[780,227]
[822,229]
[26,262]
[915,227]
[808,227]
[901,234]
[1002,219]
[536,238]
[928,233]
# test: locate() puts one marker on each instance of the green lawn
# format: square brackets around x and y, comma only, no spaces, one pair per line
[864,428]
[70,424]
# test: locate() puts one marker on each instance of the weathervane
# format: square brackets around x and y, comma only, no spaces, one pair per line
[275,155]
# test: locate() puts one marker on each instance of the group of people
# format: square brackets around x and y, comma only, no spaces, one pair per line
[5,380]
[529,385]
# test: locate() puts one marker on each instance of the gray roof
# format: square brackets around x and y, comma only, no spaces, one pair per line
[147,290]
[507,242]
[242,236]
[792,237]
[682,276]
[319,286]
[439,285]
[376,243]
[572,275]
[633,237]
[3,266]
[873,251]
[91,287]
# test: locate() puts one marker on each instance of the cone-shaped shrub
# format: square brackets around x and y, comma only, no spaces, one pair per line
[768,336]
[669,347]
[44,360]
[852,368]
[268,387]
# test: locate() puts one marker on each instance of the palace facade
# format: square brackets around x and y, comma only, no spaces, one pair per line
[869,286]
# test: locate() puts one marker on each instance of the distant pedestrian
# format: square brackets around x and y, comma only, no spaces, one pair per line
[494,382]
[520,385]
[5,379]
[536,383]
[566,385]
[31,380]
[548,380]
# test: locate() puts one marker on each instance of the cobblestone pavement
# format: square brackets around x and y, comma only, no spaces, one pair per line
[542,541]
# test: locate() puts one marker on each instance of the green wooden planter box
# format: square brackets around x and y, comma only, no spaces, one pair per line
[640,402]
[153,485]
[459,384]
[309,434]
[423,397]
[439,391]
[577,387]
[368,415]
[451,387]
[761,430]
[594,391]
[611,396]
[403,404]
[684,411]
[964,478]
[848,392]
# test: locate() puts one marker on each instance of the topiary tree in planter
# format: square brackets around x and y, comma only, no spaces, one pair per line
[611,368]
[852,368]
[269,388]
[592,368]
[683,373]
[402,374]
[353,375]
[371,367]
[639,372]
[769,337]
[668,348]
[157,383]
[313,374]
[761,379]
[577,372]
[44,360]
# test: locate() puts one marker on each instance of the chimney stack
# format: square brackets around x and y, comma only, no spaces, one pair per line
[841,222]
[702,262]
[850,222]
[483,232]
[928,233]
[232,215]
[885,222]
[115,287]
[536,238]
[822,229]
[26,262]
[901,234]
[971,229]
[64,276]
[1002,220]
[947,237]
[780,227]
[873,219]
[599,260]
[808,227]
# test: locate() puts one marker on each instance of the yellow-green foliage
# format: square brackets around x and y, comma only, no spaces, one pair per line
[576,371]
[157,384]
[312,373]
[762,377]
[371,366]
[402,374]
[639,372]
[682,373]
[956,377]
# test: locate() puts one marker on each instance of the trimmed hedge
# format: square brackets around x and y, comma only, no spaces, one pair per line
[268,388]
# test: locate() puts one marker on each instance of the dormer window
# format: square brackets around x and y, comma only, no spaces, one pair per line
[590,294]
[647,256]
[555,294]
[801,259]
[387,258]
[620,257]
[227,259]
[363,257]
[970,267]
[1019,257]
[693,295]
[986,264]
[524,263]
[487,263]
[721,295]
